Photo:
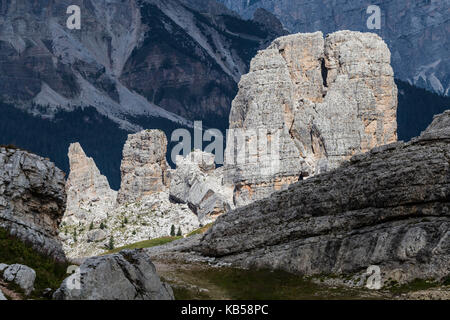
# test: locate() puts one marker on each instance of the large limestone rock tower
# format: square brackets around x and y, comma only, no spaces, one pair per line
[317,101]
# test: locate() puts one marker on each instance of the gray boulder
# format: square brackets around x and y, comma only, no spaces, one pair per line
[21,275]
[2,296]
[96,235]
[3,266]
[128,275]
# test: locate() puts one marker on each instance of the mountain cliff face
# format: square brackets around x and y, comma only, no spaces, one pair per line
[32,200]
[415,30]
[389,207]
[320,102]
[130,59]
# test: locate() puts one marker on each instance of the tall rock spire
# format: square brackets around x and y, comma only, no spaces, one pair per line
[323,99]
[89,196]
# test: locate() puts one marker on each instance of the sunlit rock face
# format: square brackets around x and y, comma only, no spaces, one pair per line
[144,168]
[89,196]
[313,103]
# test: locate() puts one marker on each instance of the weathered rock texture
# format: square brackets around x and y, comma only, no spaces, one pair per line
[22,276]
[197,182]
[143,211]
[389,207]
[149,218]
[89,196]
[144,168]
[323,100]
[32,200]
[128,275]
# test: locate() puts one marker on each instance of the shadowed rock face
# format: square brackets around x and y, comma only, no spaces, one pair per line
[324,99]
[388,207]
[128,275]
[32,200]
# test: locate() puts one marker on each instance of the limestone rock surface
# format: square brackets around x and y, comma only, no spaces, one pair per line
[32,200]
[128,275]
[389,207]
[89,196]
[307,105]
[21,275]
[198,183]
[144,168]
[149,218]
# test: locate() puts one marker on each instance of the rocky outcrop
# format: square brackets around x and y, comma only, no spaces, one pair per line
[389,207]
[89,196]
[149,218]
[22,276]
[309,104]
[197,182]
[94,220]
[144,168]
[128,275]
[32,200]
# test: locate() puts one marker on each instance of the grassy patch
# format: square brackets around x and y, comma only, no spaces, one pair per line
[144,244]
[202,230]
[237,284]
[415,285]
[49,273]
[182,293]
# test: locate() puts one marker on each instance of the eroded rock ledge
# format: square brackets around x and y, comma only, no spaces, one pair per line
[389,207]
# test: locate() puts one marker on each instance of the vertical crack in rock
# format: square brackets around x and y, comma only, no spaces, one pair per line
[324,70]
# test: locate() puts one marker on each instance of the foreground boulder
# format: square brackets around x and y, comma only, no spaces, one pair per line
[22,276]
[198,183]
[32,200]
[389,207]
[318,101]
[128,275]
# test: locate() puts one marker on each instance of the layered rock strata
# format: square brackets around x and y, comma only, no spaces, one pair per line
[389,207]
[144,168]
[307,105]
[32,200]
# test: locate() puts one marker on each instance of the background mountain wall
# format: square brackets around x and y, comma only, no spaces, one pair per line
[416,31]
